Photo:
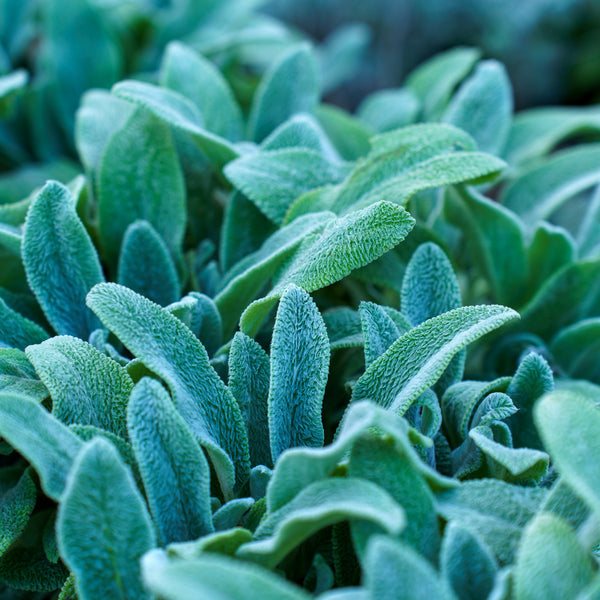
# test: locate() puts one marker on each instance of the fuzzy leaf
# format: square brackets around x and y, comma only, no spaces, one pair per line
[249,376]
[103,527]
[385,463]
[43,440]
[319,505]
[386,110]
[394,571]
[299,368]
[483,106]
[566,567]
[379,331]
[181,114]
[16,506]
[141,158]
[346,243]
[494,510]
[174,471]
[576,349]
[467,563]
[211,576]
[60,261]
[290,86]
[246,279]
[495,241]
[569,425]
[349,136]
[539,191]
[146,266]
[434,81]
[417,359]
[187,72]
[86,386]
[202,399]
[16,331]
[274,179]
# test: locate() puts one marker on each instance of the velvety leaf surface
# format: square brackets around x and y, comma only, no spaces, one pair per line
[46,443]
[346,243]
[249,377]
[16,331]
[187,72]
[103,526]
[200,396]
[394,571]
[146,265]
[319,505]
[211,576]
[299,368]
[60,261]
[141,158]
[16,507]
[379,331]
[390,109]
[576,349]
[86,386]
[174,471]
[274,179]
[564,571]
[417,359]
[290,86]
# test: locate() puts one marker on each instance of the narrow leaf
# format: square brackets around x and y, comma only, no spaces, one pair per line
[174,471]
[299,368]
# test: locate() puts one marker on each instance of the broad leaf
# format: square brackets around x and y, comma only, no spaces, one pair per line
[16,331]
[417,359]
[103,526]
[60,261]
[200,396]
[43,440]
[87,387]
[319,505]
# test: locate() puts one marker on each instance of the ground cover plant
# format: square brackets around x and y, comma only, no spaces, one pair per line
[287,351]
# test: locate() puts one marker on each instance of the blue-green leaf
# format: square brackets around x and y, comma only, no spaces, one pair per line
[386,110]
[576,349]
[16,331]
[319,505]
[141,158]
[417,359]
[174,471]
[483,106]
[200,396]
[43,440]
[16,506]
[86,386]
[103,527]
[60,261]
[146,265]
[394,571]
[290,86]
[211,576]
[189,73]
[299,368]
[379,331]
[249,377]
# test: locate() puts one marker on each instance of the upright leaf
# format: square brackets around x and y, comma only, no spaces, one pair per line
[44,441]
[417,359]
[249,377]
[199,394]
[103,527]
[174,471]
[86,386]
[379,331]
[146,265]
[60,261]
[189,73]
[140,177]
[299,368]
[16,506]
[290,86]
[483,106]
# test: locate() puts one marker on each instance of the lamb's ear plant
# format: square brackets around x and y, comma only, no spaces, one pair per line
[274,350]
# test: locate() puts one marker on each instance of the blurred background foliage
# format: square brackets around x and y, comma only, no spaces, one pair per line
[52,51]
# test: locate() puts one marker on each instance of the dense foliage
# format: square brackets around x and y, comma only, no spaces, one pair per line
[280,350]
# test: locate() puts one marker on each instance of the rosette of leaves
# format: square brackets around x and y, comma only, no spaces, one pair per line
[236,357]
